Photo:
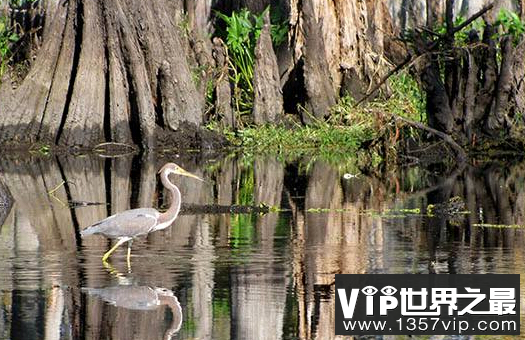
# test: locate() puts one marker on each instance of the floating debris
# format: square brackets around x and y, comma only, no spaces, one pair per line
[224,209]
[454,206]
[79,204]
[499,226]
[394,213]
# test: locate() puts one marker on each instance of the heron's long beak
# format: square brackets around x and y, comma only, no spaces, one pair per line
[183,172]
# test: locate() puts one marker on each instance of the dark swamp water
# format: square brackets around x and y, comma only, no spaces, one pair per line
[238,276]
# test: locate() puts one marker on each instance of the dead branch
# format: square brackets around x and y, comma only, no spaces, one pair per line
[461,155]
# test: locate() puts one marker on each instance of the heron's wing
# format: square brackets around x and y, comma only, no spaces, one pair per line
[129,223]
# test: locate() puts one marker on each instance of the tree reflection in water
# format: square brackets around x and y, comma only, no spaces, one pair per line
[236,276]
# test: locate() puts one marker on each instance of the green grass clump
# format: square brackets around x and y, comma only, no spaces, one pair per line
[499,226]
[406,100]
[341,134]
[339,137]
[318,138]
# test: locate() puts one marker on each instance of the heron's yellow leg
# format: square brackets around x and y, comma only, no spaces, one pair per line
[108,253]
[130,242]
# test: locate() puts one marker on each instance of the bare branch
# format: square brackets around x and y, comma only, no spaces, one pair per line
[409,58]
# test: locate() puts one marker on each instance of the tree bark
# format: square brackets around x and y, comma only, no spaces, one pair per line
[474,96]
[499,118]
[85,117]
[268,99]
[223,96]
[107,71]
[337,51]
[518,73]
[318,83]
[6,202]
[22,109]
[58,96]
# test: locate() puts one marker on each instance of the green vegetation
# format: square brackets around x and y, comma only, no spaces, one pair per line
[320,138]
[406,100]
[508,22]
[44,150]
[40,149]
[330,143]
[220,308]
[279,28]
[189,322]
[243,225]
[393,213]
[461,36]
[19,3]
[342,134]
[455,206]
[7,38]
[511,25]
[242,31]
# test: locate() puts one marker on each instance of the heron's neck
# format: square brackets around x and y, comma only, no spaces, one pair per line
[167,218]
[176,311]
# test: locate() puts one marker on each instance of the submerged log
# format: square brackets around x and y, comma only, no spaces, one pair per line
[191,209]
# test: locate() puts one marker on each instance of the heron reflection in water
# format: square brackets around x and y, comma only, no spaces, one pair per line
[141,298]
[127,225]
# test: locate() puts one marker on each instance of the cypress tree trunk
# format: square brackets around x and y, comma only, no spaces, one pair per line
[268,99]
[107,71]
[476,95]
[335,50]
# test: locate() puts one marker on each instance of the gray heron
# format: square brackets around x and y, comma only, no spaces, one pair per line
[127,225]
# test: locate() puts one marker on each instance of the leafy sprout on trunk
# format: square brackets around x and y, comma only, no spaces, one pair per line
[511,25]
[242,30]
[7,39]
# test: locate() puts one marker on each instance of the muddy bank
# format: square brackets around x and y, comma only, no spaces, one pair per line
[190,137]
[187,137]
